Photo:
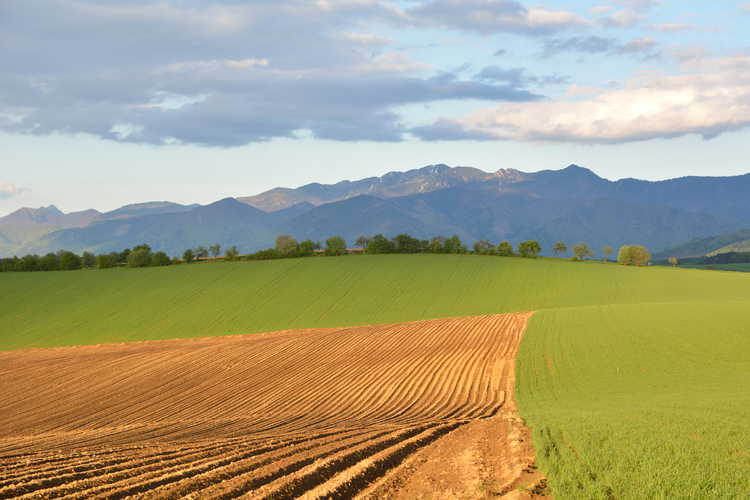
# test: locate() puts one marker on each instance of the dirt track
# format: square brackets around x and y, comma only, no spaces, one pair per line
[411,410]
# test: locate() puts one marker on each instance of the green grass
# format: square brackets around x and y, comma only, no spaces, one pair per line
[125,305]
[640,401]
[636,381]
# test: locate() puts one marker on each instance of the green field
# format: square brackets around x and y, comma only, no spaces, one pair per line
[636,381]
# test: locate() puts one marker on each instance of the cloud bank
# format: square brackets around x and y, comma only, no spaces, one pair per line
[229,73]
[712,97]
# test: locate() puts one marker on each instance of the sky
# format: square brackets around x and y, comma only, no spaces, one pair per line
[107,103]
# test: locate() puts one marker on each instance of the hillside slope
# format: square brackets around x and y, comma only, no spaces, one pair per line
[698,247]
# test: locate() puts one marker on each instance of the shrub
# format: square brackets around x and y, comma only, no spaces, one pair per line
[160,259]
[268,254]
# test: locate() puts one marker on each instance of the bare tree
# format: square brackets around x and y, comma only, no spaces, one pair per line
[582,250]
[606,252]
[559,248]
[215,249]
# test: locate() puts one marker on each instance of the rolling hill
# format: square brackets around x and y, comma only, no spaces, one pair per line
[698,247]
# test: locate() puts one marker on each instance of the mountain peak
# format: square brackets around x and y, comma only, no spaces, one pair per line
[52,209]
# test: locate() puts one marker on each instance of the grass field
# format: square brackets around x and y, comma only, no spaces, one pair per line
[124,305]
[636,381]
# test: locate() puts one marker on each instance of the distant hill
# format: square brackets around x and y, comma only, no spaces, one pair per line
[698,247]
[47,216]
[740,246]
[141,209]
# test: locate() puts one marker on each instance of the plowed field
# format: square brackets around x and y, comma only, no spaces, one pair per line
[403,410]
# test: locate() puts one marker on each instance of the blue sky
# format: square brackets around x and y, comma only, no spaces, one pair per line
[108,103]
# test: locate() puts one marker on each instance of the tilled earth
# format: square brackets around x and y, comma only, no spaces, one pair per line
[409,410]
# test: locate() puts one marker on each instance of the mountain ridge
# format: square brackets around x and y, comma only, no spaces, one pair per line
[570,204]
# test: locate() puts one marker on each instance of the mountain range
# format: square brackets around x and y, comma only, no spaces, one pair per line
[572,204]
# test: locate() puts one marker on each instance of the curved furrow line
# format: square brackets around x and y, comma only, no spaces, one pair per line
[121,479]
[66,484]
[245,475]
[322,470]
[358,477]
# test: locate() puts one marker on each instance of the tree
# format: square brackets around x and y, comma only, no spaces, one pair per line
[362,242]
[673,261]
[504,249]
[379,244]
[231,253]
[139,257]
[28,263]
[88,259]
[160,259]
[483,246]
[143,246]
[69,261]
[606,252]
[454,245]
[188,255]
[335,245]
[123,256]
[403,243]
[285,245]
[215,249]
[624,256]
[559,248]
[9,264]
[529,249]
[640,255]
[582,250]
[306,248]
[200,252]
[48,262]
[105,261]
[436,244]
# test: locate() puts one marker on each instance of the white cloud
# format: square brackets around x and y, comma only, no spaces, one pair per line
[576,90]
[712,97]
[681,27]
[365,39]
[638,45]
[8,190]
[602,9]
[491,16]
[744,7]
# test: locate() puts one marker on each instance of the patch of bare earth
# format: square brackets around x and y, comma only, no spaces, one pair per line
[410,410]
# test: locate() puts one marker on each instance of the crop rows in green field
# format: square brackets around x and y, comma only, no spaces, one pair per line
[647,401]
[125,305]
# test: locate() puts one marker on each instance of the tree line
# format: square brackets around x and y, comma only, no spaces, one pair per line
[726,258]
[287,247]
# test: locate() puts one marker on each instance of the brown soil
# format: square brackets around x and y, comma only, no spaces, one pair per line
[410,410]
